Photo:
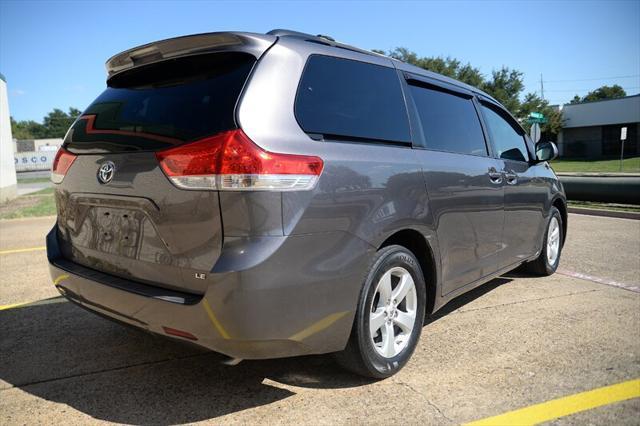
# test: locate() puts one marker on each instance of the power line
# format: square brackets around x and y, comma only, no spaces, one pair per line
[584,90]
[593,79]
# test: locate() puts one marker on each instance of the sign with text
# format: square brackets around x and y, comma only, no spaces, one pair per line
[33,160]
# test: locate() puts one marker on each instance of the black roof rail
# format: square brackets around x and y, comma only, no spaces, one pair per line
[320,38]
[326,37]
[279,32]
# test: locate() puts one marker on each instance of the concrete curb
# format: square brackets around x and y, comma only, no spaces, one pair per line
[16,219]
[608,189]
[598,174]
[604,213]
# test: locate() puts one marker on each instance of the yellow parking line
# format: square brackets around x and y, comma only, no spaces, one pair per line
[13,305]
[60,278]
[55,299]
[565,406]
[318,326]
[214,320]
[24,250]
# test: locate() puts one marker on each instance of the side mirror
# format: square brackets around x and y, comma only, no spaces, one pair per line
[546,151]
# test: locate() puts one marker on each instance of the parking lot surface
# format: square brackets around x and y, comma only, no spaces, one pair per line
[512,343]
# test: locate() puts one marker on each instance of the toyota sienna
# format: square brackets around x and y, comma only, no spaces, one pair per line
[282,194]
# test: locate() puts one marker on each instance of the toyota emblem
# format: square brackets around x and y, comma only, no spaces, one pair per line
[105,172]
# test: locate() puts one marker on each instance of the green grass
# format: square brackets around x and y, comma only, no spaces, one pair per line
[41,203]
[45,191]
[33,180]
[629,165]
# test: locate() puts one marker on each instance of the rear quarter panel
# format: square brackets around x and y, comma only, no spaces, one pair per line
[368,191]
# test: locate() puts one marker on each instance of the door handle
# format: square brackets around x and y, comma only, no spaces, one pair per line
[495,176]
[512,178]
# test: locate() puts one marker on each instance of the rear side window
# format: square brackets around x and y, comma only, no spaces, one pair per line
[162,105]
[341,98]
[449,122]
[506,137]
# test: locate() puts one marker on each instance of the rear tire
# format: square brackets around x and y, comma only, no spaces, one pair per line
[547,263]
[389,315]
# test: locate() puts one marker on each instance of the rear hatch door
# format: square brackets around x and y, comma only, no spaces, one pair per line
[117,211]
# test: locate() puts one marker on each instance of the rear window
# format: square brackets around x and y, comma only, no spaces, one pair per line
[162,105]
[345,99]
[449,122]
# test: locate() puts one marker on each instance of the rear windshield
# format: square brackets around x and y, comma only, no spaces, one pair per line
[162,105]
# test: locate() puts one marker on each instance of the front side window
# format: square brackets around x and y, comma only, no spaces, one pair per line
[449,122]
[507,138]
[345,98]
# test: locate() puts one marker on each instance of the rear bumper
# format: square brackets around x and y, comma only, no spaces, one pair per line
[253,314]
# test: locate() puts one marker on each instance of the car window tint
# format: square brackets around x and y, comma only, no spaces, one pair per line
[341,97]
[508,141]
[449,122]
[165,104]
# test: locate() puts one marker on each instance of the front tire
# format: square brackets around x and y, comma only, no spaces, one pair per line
[547,263]
[389,315]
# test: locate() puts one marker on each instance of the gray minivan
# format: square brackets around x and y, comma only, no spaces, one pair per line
[282,194]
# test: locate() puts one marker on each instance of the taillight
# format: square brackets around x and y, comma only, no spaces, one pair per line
[61,164]
[231,161]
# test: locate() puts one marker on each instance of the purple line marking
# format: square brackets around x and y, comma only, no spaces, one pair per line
[599,280]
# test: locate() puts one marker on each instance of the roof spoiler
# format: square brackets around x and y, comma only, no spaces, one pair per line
[255,44]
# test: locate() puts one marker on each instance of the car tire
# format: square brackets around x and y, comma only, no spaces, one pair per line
[394,273]
[547,263]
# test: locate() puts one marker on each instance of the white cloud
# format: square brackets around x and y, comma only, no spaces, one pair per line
[17,92]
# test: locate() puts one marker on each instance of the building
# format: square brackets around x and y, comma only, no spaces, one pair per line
[29,145]
[7,166]
[592,129]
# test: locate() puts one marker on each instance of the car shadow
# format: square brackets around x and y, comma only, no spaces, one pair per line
[468,297]
[58,352]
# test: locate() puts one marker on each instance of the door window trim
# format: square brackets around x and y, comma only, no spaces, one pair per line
[415,124]
[506,115]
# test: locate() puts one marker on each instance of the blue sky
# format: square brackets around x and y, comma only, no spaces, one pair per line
[52,53]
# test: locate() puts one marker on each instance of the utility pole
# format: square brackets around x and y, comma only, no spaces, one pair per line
[541,87]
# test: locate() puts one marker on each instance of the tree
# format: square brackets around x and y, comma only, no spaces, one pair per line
[604,92]
[505,85]
[57,122]
[55,125]
[27,129]
[446,66]
[533,103]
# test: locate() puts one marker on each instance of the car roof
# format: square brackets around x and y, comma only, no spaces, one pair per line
[401,65]
[250,42]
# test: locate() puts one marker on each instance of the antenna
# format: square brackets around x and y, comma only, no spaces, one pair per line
[541,87]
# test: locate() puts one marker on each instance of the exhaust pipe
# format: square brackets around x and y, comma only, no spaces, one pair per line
[232,361]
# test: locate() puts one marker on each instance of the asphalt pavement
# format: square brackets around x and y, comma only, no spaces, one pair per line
[512,343]
[30,182]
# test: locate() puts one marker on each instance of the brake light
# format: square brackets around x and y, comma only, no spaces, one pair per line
[61,164]
[231,161]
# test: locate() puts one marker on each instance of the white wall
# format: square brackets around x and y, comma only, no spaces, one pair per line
[602,113]
[7,162]
[47,144]
[33,160]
